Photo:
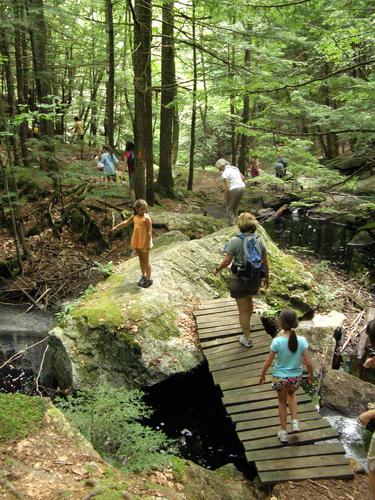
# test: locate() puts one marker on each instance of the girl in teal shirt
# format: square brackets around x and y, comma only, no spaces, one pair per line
[289,350]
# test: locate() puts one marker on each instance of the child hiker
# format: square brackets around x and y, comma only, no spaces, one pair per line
[141,241]
[290,349]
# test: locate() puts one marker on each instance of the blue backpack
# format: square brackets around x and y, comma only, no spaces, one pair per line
[252,266]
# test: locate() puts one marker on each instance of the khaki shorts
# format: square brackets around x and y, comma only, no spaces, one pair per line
[371,455]
[240,288]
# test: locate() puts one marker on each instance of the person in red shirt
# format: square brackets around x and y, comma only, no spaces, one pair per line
[129,159]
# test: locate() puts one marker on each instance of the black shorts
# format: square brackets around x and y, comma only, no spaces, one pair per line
[240,288]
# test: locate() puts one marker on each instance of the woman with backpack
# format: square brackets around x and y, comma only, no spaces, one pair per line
[129,160]
[248,256]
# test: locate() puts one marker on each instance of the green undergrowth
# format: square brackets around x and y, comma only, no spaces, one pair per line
[20,416]
[111,419]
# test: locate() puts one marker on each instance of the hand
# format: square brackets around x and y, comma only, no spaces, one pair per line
[262,379]
[364,418]
[266,282]
[216,271]
[369,363]
[310,379]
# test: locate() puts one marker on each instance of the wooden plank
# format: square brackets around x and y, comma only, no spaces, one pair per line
[220,301]
[223,319]
[236,352]
[244,369]
[266,413]
[247,360]
[222,342]
[255,334]
[270,421]
[249,435]
[222,315]
[214,308]
[308,450]
[341,471]
[227,385]
[259,405]
[249,398]
[220,332]
[231,328]
[301,462]
[300,438]
[233,393]
[244,395]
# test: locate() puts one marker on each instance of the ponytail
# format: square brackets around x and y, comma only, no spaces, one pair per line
[288,321]
[292,341]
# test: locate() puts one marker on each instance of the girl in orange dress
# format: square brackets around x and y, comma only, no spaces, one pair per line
[141,241]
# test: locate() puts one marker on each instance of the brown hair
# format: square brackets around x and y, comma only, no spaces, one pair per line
[247,223]
[139,203]
[288,321]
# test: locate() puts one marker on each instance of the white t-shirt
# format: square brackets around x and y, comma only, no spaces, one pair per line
[233,177]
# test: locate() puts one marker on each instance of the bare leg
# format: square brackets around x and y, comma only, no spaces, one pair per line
[282,395]
[144,260]
[245,309]
[292,403]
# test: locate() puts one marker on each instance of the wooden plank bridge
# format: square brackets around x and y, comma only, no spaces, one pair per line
[253,408]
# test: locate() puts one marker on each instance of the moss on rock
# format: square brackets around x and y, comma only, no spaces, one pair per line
[20,416]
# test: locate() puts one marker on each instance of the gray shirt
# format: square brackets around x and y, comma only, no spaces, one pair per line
[235,248]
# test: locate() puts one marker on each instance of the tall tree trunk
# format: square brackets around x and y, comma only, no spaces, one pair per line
[168,94]
[194,104]
[42,74]
[4,48]
[233,143]
[109,122]
[143,100]
[21,73]
[244,144]
[175,135]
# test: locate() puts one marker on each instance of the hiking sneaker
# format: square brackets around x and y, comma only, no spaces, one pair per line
[245,341]
[147,282]
[283,436]
[295,426]
[141,281]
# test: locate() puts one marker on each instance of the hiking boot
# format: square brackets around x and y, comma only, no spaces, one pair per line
[283,436]
[147,282]
[141,281]
[245,341]
[294,425]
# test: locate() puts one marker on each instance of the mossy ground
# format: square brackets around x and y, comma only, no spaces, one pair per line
[20,416]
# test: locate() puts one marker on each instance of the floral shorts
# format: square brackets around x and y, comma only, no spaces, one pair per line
[290,383]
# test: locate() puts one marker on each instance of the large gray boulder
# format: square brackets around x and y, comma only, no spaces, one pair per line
[126,335]
[319,335]
[346,394]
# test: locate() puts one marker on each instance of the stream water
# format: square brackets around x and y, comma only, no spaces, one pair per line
[353,436]
[19,330]
[188,408]
[328,239]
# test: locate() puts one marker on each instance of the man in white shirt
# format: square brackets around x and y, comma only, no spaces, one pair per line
[234,188]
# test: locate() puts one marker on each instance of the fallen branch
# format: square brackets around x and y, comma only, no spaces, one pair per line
[18,354]
[40,371]
[353,332]
[41,296]
[29,297]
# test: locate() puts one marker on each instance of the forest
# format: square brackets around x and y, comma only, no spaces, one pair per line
[165,89]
